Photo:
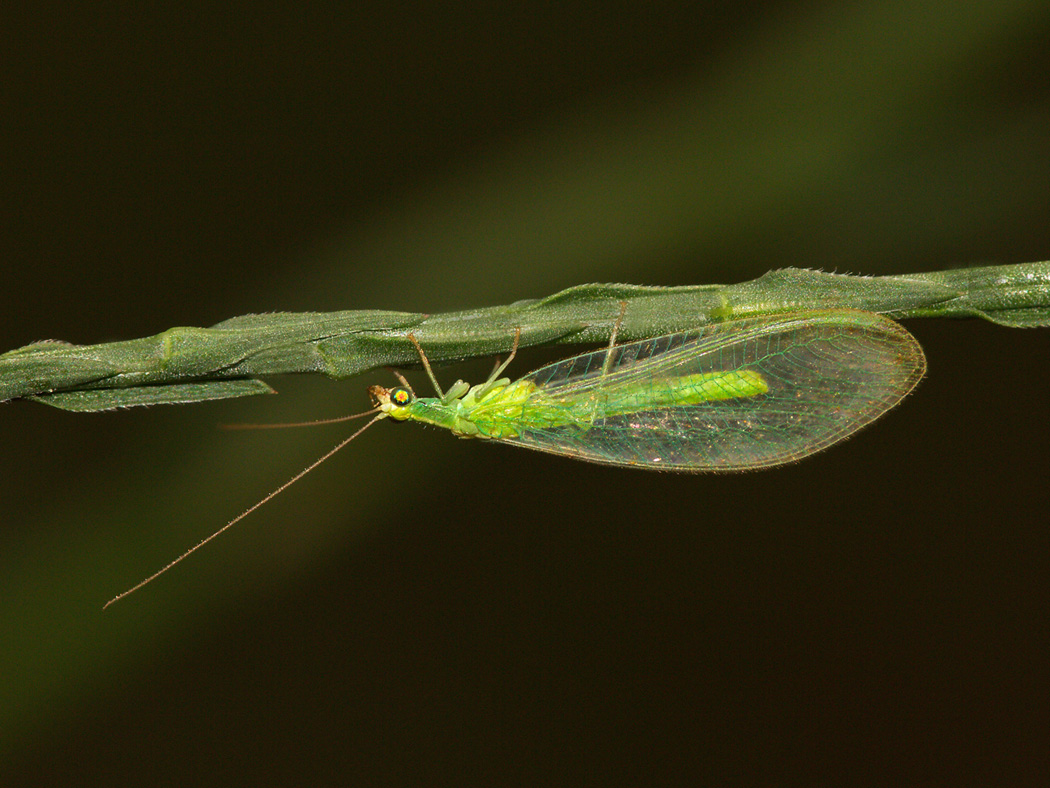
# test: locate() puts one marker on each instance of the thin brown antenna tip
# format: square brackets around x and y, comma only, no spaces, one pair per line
[246,512]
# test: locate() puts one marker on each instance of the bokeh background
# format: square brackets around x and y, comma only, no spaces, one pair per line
[425,611]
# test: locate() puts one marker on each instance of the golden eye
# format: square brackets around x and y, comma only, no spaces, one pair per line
[400,397]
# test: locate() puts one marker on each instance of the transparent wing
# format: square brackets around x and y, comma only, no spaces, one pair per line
[825,374]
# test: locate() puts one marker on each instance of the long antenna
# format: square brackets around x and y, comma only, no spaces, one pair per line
[244,514]
[285,424]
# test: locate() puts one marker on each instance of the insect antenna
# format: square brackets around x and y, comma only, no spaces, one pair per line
[283,425]
[265,500]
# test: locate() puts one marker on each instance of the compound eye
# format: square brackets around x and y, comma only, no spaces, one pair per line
[400,396]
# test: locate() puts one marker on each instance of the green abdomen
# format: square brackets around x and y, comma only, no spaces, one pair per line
[524,406]
[686,390]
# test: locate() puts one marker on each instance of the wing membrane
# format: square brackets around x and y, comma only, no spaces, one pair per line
[827,374]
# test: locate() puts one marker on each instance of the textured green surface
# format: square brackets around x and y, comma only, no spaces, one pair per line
[218,362]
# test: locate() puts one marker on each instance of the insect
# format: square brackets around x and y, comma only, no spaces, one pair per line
[730,396]
[738,395]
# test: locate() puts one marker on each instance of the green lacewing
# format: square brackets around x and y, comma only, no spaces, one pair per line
[736,395]
[729,396]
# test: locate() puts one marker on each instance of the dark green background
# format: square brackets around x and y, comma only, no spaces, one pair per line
[424,611]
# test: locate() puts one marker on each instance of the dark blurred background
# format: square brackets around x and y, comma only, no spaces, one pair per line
[425,611]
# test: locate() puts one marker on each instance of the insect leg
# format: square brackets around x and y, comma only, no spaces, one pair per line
[500,367]
[426,365]
[402,379]
[612,338]
[608,360]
